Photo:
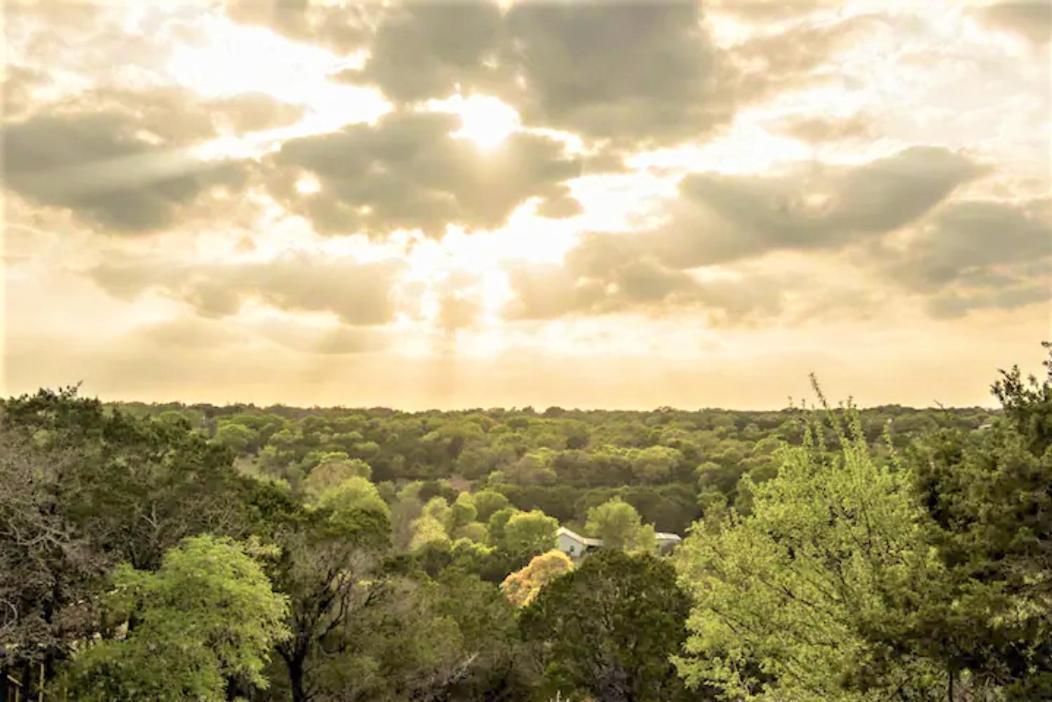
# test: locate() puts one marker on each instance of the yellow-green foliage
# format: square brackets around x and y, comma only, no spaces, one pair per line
[523,586]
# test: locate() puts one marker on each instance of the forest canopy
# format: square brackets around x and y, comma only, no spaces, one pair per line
[195,552]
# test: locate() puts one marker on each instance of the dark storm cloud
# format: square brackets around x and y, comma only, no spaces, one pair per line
[358,293]
[1031,19]
[408,171]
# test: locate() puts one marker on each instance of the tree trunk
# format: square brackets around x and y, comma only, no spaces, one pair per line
[296,678]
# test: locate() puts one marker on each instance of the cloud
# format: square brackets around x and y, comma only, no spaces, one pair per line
[343,27]
[409,171]
[1031,19]
[726,217]
[978,253]
[426,50]
[622,71]
[609,273]
[124,160]
[358,293]
[720,219]
[828,129]
[101,166]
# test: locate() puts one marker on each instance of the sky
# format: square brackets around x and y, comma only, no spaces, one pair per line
[481,204]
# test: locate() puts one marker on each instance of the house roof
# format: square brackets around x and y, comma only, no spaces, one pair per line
[570,534]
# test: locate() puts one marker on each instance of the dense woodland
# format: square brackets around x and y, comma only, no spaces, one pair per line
[193,552]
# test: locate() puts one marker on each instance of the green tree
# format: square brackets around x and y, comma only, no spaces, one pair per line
[798,600]
[989,495]
[529,533]
[207,617]
[354,493]
[462,511]
[332,470]
[498,521]
[619,525]
[487,502]
[330,569]
[609,628]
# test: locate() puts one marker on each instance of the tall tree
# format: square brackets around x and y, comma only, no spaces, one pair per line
[799,599]
[989,495]
[609,628]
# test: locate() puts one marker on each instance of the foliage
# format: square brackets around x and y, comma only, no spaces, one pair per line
[618,524]
[522,587]
[354,493]
[206,617]
[529,533]
[786,598]
[989,495]
[608,629]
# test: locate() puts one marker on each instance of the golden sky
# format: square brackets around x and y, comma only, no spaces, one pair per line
[473,203]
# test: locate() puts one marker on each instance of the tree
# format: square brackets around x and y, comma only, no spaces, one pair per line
[522,587]
[334,469]
[235,437]
[529,533]
[354,493]
[84,487]
[498,521]
[426,530]
[462,511]
[487,502]
[209,610]
[989,496]
[800,599]
[329,569]
[49,571]
[619,525]
[608,629]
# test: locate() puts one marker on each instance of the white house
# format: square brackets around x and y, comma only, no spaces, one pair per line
[666,541]
[573,544]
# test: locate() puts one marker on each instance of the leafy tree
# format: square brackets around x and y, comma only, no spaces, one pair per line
[522,587]
[618,524]
[529,533]
[329,569]
[798,600]
[498,521]
[487,502]
[609,628]
[354,493]
[334,469]
[235,437]
[473,531]
[209,610]
[463,511]
[989,495]
[426,530]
